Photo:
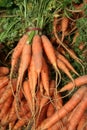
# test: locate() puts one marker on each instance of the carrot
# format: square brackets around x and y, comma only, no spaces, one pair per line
[11,125]
[82,80]
[17,52]
[57,126]
[3,127]
[27,94]
[50,110]
[2,90]
[75,37]
[22,122]
[82,122]
[77,115]
[49,50]
[64,26]
[45,77]
[6,106]
[8,91]
[37,53]
[24,63]
[41,88]
[70,105]
[38,100]
[4,71]
[64,68]
[4,81]
[66,62]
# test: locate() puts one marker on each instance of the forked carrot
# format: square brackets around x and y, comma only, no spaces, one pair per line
[64,26]
[27,94]
[45,77]
[78,113]
[70,105]
[37,53]
[17,52]
[4,71]
[24,63]
[67,63]
[82,80]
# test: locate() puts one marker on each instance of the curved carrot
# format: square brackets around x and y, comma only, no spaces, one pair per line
[70,105]
[45,77]
[64,26]
[37,53]
[4,71]
[17,52]
[82,80]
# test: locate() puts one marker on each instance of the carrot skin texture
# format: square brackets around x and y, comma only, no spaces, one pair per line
[76,98]
[82,80]
[77,115]
[4,81]
[50,110]
[49,50]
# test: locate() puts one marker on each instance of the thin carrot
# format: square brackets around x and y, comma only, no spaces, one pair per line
[17,52]
[64,68]
[66,62]
[70,105]
[6,106]
[45,76]
[77,115]
[8,91]
[82,80]
[64,26]
[22,122]
[4,71]
[41,88]
[4,81]
[27,94]
[24,63]
[37,53]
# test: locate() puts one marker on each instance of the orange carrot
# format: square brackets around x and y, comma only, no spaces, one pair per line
[4,81]
[82,80]
[17,52]
[22,122]
[37,53]
[45,77]
[50,110]
[2,90]
[11,125]
[78,113]
[64,26]
[49,50]
[27,94]
[6,106]
[70,105]
[41,88]
[66,62]
[82,122]
[4,71]
[8,91]
[64,68]
[24,63]
[75,37]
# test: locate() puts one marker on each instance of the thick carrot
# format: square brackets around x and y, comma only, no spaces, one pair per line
[22,122]
[6,106]
[49,50]
[64,68]
[8,91]
[45,76]
[66,62]
[64,26]
[50,110]
[70,105]
[24,63]
[77,115]
[82,122]
[82,80]
[4,81]
[17,52]
[27,94]
[37,53]
[4,71]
